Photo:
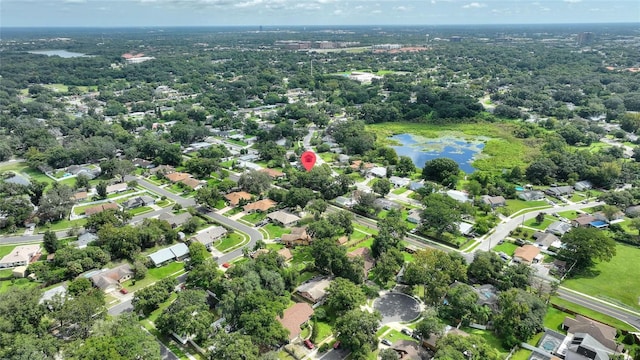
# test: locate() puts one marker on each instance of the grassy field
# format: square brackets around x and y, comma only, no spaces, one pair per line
[515,205]
[502,150]
[616,281]
[276,231]
[6,249]
[395,335]
[17,283]
[571,215]
[62,225]
[254,217]
[229,242]
[153,275]
[592,314]
[489,336]
[540,226]
[506,247]
[554,318]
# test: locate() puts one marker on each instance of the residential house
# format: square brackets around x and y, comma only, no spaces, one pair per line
[527,254]
[80,196]
[531,195]
[365,254]
[430,343]
[632,211]
[209,236]
[176,177]
[459,196]
[314,290]
[258,252]
[283,218]
[414,216]
[558,228]
[378,171]
[465,228]
[345,201]
[142,163]
[342,158]
[234,198]
[583,220]
[583,185]
[359,165]
[487,296]
[175,220]
[100,208]
[111,279]
[174,252]
[294,317]
[545,240]
[559,191]
[342,240]
[193,184]
[18,180]
[273,173]
[416,185]
[21,255]
[138,201]
[297,237]
[117,188]
[387,204]
[162,169]
[263,205]
[399,181]
[85,239]
[615,218]
[409,350]
[588,339]
[48,295]
[494,201]
[286,254]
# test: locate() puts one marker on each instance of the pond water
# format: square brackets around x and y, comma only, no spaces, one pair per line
[61,53]
[421,149]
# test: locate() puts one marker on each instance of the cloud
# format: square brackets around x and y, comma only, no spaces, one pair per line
[75,1]
[474,5]
[401,8]
[572,1]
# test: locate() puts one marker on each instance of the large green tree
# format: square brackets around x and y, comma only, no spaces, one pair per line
[179,316]
[356,331]
[436,270]
[343,295]
[457,347]
[583,247]
[520,316]
[441,170]
[232,346]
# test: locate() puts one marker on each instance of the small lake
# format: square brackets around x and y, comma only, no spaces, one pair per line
[421,149]
[61,53]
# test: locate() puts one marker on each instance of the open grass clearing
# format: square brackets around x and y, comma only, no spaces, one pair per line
[490,338]
[506,247]
[23,283]
[154,275]
[595,315]
[516,205]
[61,225]
[229,242]
[615,281]
[276,231]
[533,223]
[395,335]
[255,217]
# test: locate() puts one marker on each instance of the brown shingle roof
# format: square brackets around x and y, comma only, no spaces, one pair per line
[273,173]
[191,182]
[235,197]
[527,253]
[285,253]
[177,176]
[260,205]
[100,208]
[293,317]
[605,334]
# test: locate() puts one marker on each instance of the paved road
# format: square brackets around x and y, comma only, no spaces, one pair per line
[503,229]
[254,235]
[626,316]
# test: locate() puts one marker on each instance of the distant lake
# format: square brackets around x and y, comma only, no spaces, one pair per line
[61,53]
[421,149]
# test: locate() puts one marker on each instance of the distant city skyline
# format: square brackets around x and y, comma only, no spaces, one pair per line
[134,13]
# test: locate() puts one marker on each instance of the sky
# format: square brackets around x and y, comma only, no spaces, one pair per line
[134,13]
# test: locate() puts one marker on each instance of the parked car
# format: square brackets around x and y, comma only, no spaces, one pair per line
[124,291]
[308,344]
[226,265]
[336,345]
[386,342]
[406,331]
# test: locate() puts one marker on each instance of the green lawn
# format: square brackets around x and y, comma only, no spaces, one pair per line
[321,330]
[17,283]
[140,210]
[553,319]
[254,217]
[276,231]
[164,203]
[571,215]
[399,190]
[541,226]
[489,336]
[153,275]
[6,249]
[62,225]
[592,314]
[506,247]
[515,205]
[395,335]
[367,243]
[229,242]
[521,354]
[615,281]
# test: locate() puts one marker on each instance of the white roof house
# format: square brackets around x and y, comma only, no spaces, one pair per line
[458,196]
[314,290]
[210,235]
[399,181]
[174,252]
[378,171]
[20,256]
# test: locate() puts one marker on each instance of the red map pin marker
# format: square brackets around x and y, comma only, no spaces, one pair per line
[308,159]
